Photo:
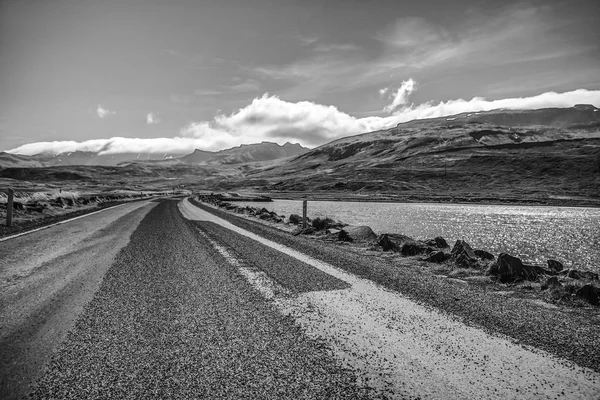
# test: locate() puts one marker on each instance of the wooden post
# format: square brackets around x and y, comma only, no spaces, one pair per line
[304,207]
[9,207]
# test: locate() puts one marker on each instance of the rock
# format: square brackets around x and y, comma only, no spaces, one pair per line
[465,261]
[386,243]
[576,274]
[462,247]
[511,268]
[555,265]
[437,257]
[484,255]
[438,242]
[333,231]
[295,219]
[463,255]
[265,216]
[360,233]
[551,283]
[415,248]
[588,293]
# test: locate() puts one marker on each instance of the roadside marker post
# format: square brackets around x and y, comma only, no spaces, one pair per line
[304,207]
[9,207]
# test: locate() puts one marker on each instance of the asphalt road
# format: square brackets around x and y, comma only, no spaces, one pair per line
[165,300]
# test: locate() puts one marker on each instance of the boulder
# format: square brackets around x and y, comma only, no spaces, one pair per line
[588,293]
[295,219]
[415,248]
[484,255]
[576,274]
[333,231]
[438,242]
[437,257]
[462,247]
[511,268]
[551,283]
[464,261]
[386,243]
[555,265]
[463,255]
[360,233]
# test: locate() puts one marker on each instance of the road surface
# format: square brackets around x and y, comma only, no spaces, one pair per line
[165,300]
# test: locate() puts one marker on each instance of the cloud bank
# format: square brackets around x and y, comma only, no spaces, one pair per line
[272,119]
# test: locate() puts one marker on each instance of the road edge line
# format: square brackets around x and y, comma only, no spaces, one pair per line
[58,223]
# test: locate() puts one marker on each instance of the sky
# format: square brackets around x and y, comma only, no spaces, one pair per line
[173,76]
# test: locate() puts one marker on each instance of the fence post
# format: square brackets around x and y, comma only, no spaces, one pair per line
[304,206]
[9,207]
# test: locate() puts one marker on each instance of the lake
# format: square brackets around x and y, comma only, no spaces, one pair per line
[532,233]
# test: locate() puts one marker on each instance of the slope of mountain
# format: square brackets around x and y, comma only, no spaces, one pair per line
[549,152]
[93,158]
[8,160]
[264,151]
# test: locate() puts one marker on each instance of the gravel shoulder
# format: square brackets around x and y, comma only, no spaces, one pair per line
[173,319]
[565,332]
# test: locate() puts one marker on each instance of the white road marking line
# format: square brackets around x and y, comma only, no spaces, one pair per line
[403,348]
[59,223]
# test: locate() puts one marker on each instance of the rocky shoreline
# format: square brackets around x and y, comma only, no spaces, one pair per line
[551,283]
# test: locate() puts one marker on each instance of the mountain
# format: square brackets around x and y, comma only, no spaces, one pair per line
[245,153]
[501,153]
[264,151]
[93,158]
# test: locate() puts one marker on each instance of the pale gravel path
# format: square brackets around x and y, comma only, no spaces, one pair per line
[400,346]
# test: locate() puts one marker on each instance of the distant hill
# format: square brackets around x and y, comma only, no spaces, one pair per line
[8,160]
[264,151]
[555,151]
[245,153]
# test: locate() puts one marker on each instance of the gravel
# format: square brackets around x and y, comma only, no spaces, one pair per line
[173,319]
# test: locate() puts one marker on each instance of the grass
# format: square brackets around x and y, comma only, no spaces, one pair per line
[24,197]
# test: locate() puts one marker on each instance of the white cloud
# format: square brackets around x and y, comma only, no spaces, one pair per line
[152,118]
[104,112]
[383,91]
[310,124]
[400,97]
